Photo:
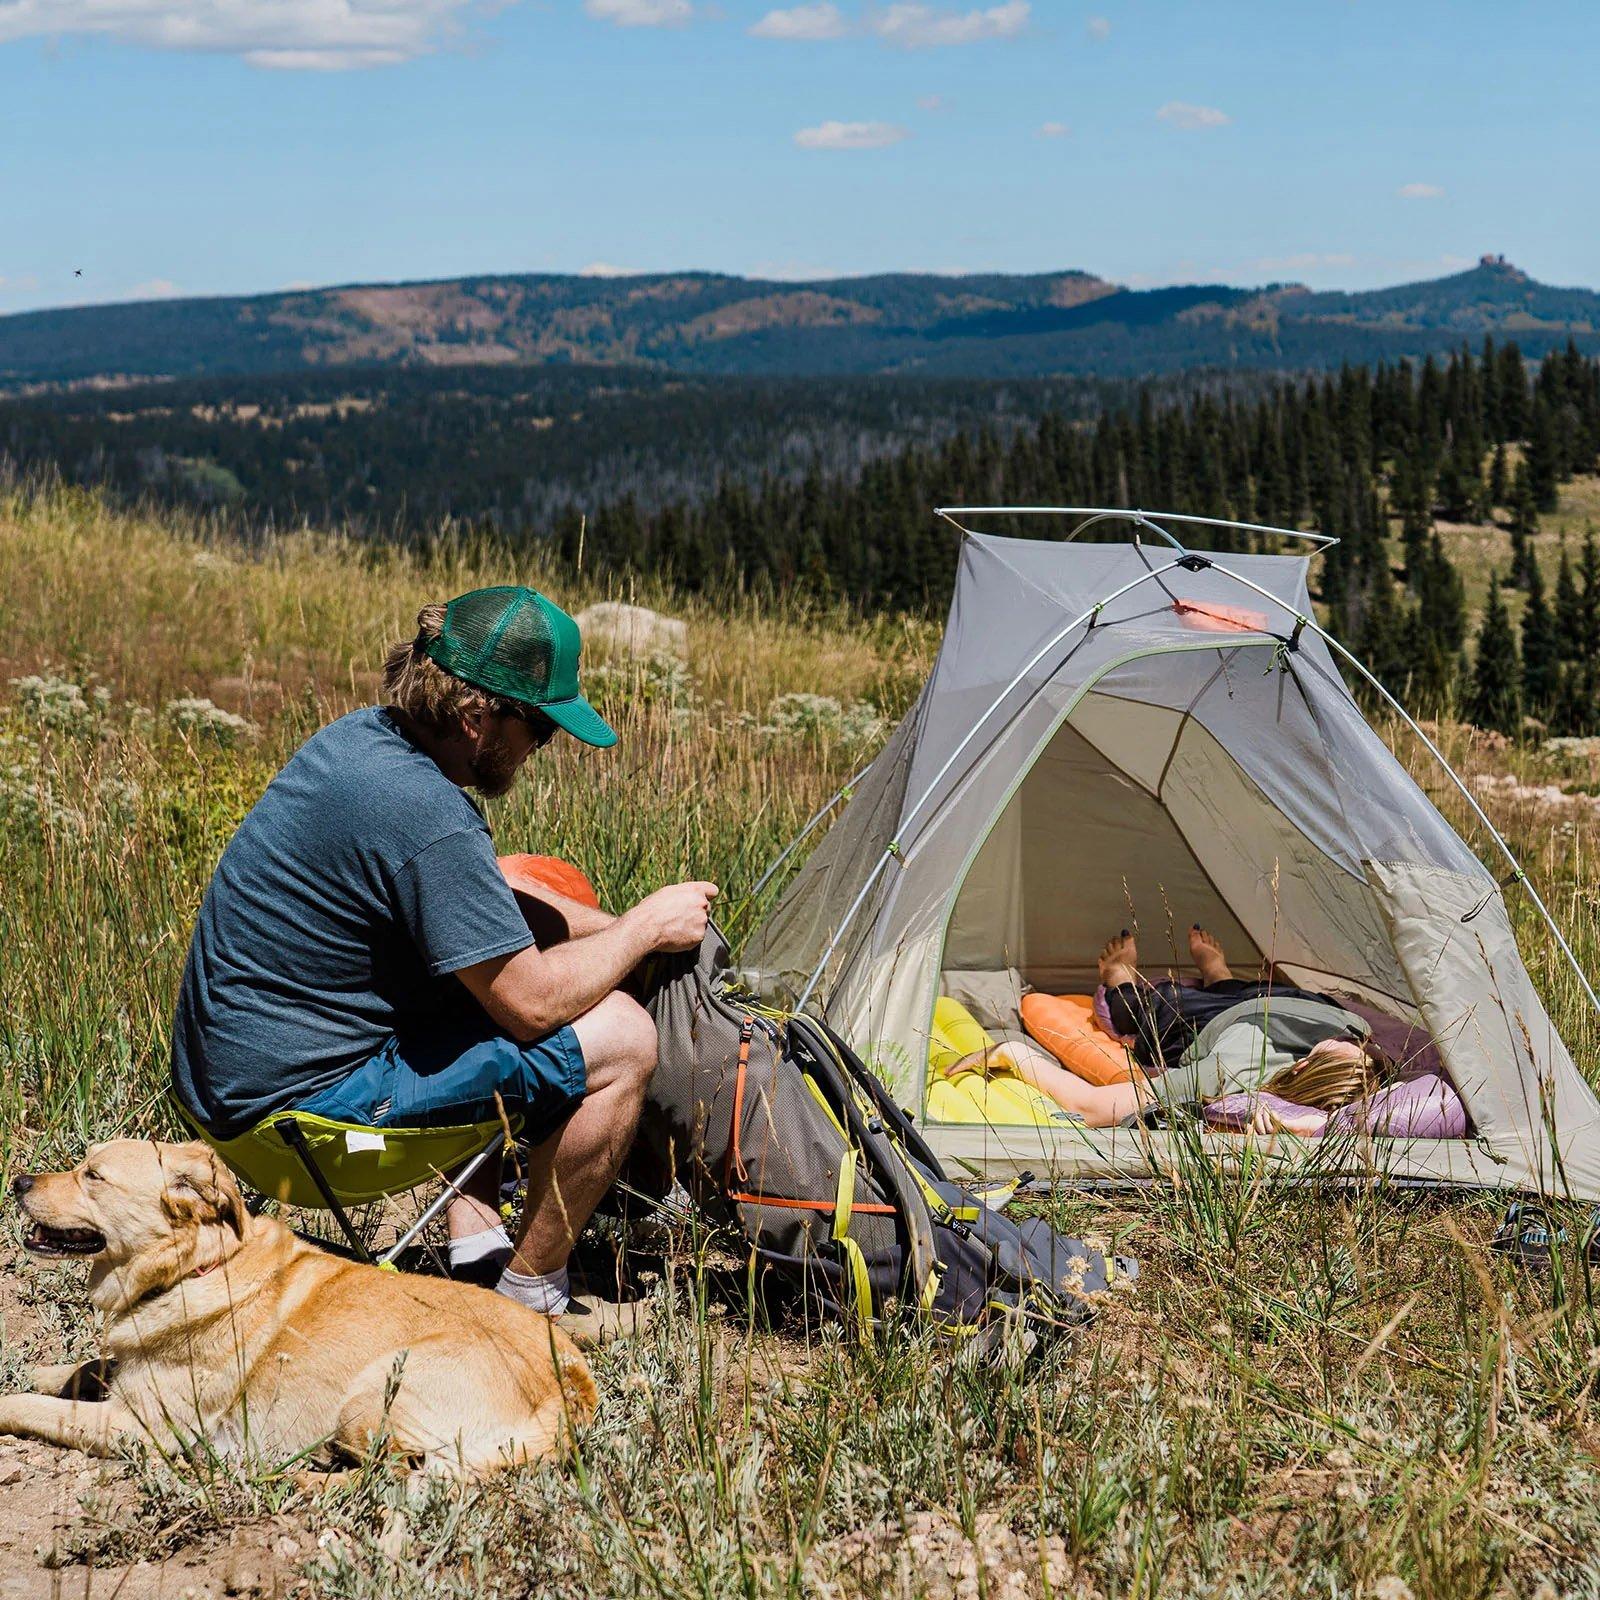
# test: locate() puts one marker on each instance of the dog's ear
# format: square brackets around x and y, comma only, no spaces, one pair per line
[200,1188]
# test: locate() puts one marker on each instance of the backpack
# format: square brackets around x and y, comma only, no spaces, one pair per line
[777,1129]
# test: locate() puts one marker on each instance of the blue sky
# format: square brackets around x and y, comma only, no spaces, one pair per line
[234,146]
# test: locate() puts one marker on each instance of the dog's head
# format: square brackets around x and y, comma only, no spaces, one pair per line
[134,1198]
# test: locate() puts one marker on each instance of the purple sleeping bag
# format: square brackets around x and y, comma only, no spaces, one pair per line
[1234,1111]
[1416,1108]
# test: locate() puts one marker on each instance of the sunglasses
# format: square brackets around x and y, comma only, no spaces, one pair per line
[542,727]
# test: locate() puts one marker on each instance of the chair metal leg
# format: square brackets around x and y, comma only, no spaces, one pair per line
[290,1132]
[452,1188]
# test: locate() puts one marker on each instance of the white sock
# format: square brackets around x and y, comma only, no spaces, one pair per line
[548,1292]
[480,1246]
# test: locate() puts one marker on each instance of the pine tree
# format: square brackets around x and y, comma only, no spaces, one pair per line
[1569,611]
[1381,639]
[1589,610]
[1541,656]
[1544,460]
[1495,700]
[1499,477]
[1441,601]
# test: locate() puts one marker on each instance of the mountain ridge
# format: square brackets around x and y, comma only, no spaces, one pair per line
[973,325]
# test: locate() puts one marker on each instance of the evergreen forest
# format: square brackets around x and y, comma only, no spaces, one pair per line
[829,485]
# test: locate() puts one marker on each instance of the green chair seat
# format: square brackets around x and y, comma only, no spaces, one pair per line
[360,1164]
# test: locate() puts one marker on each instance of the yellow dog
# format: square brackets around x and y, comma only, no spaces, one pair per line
[225,1327]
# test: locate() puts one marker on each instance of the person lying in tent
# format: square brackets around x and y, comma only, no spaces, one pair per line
[1164,1016]
[360,955]
[1297,1055]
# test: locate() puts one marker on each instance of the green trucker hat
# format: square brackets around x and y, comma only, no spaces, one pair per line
[512,641]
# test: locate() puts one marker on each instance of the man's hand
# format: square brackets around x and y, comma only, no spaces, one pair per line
[675,918]
[535,991]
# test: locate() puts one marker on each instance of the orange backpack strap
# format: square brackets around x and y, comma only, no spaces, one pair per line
[735,1166]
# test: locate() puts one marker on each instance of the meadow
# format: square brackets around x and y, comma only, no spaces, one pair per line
[1307,1392]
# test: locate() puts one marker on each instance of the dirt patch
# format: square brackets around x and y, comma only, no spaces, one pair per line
[67,1516]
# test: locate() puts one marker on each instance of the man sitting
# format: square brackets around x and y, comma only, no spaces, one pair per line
[359,954]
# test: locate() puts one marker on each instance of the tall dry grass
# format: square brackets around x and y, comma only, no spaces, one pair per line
[1310,1391]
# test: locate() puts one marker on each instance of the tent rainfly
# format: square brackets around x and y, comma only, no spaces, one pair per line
[1121,732]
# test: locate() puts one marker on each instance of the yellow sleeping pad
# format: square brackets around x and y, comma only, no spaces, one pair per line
[956,1033]
[1000,1100]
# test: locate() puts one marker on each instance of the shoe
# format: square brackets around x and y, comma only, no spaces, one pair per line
[591,1321]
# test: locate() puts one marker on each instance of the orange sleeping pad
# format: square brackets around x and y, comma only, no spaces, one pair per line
[549,872]
[1064,1024]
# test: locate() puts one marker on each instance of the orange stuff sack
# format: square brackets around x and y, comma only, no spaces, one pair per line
[532,873]
[1064,1024]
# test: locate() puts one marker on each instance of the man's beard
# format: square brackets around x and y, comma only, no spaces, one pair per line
[494,766]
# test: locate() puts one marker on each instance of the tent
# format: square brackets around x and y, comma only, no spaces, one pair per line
[1138,731]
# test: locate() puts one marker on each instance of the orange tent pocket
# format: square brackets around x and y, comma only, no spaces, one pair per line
[1064,1024]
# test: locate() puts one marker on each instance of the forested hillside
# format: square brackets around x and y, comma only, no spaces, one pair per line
[394,452]
[986,325]
[1393,461]
[1441,480]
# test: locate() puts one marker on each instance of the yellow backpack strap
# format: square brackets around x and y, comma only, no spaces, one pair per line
[855,1260]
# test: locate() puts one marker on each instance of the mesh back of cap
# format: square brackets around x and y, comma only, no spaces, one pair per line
[508,639]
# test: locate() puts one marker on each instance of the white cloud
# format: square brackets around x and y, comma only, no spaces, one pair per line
[296,35]
[641,13]
[24,284]
[1098,29]
[1180,114]
[154,289]
[914,26]
[821,20]
[850,136]
[1420,191]
[932,103]
[606,269]
[1053,130]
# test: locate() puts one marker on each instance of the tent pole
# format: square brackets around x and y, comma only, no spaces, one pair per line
[1323,541]
[800,838]
[894,848]
[1438,755]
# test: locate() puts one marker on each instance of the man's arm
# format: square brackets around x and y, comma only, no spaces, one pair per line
[581,919]
[536,991]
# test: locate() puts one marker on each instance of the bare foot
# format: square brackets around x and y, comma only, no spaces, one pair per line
[1119,961]
[1208,956]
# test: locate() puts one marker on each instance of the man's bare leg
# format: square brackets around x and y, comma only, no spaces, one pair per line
[570,1172]
[477,1205]
[619,1053]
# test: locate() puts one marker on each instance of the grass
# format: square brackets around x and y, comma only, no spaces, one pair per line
[1310,1392]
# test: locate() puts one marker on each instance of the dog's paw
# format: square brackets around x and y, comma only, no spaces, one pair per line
[52,1378]
[74,1380]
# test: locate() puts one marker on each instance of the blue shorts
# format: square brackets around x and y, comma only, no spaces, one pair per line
[448,1076]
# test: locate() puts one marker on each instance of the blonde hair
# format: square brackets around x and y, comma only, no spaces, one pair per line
[413,682]
[1327,1077]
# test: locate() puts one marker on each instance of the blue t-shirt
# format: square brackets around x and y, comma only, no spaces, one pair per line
[359,881]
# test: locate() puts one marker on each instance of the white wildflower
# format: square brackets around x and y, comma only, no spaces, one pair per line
[202,719]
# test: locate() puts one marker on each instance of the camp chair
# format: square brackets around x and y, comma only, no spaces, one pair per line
[300,1159]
